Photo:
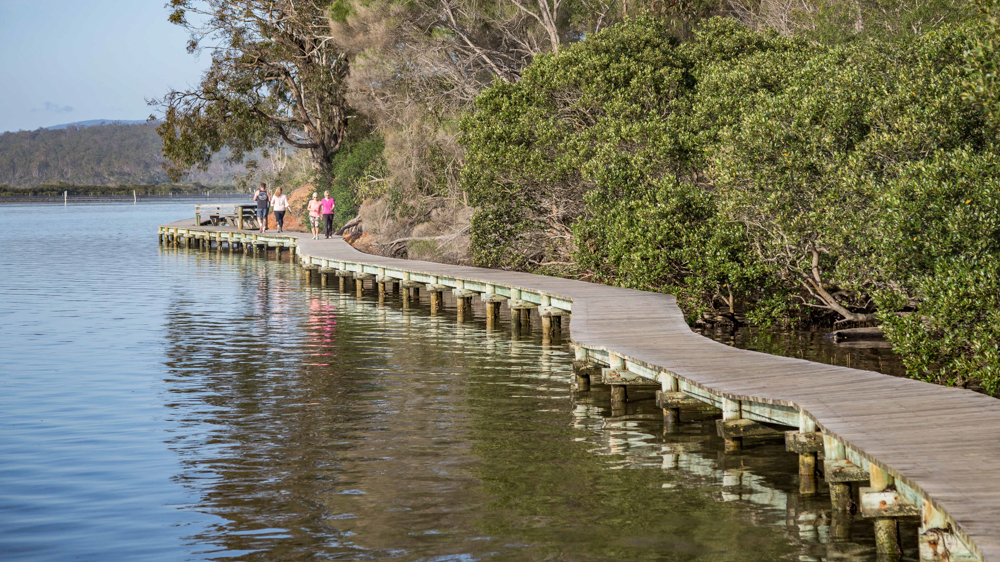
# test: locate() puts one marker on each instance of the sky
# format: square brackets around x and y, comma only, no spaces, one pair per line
[63,61]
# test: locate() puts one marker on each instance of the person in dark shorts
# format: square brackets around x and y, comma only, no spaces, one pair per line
[328,205]
[263,201]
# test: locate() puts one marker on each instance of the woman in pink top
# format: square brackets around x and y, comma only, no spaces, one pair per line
[328,205]
[314,214]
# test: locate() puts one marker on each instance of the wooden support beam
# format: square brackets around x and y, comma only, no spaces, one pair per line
[627,378]
[886,503]
[843,471]
[797,442]
[673,400]
[740,428]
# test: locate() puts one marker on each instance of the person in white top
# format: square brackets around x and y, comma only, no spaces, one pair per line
[279,202]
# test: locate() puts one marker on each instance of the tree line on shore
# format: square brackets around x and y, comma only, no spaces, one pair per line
[108,154]
[58,190]
[769,164]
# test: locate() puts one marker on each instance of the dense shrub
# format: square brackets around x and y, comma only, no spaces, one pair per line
[752,173]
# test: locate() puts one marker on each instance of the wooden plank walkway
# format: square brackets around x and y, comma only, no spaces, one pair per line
[943,443]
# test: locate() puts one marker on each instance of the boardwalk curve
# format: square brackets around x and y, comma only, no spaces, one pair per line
[939,446]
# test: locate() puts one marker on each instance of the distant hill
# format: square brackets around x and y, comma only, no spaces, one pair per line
[93,122]
[99,154]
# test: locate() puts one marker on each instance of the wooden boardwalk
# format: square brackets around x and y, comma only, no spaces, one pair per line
[940,446]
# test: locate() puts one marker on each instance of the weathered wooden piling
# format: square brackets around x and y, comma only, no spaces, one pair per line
[584,369]
[359,282]
[618,391]
[839,473]
[669,386]
[731,412]
[886,523]
[435,301]
[805,442]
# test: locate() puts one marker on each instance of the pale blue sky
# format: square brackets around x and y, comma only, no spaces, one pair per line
[72,60]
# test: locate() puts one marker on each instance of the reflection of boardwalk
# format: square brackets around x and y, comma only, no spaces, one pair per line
[937,446]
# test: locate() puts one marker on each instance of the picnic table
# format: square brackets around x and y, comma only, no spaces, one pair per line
[238,215]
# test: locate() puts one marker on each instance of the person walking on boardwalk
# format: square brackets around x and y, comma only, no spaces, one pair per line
[263,201]
[315,214]
[328,205]
[280,204]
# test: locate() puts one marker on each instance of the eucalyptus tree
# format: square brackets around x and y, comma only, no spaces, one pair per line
[275,78]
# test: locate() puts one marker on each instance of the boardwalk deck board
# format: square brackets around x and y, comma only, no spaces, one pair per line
[942,442]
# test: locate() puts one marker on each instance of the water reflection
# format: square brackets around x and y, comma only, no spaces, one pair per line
[811,345]
[320,425]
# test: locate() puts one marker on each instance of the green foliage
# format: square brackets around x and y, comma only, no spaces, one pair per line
[835,22]
[982,59]
[272,80]
[748,172]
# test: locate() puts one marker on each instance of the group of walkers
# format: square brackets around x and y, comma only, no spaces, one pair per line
[265,201]
[319,210]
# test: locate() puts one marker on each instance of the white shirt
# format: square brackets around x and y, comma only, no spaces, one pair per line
[279,202]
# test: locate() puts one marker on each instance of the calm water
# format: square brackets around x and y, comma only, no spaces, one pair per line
[162,404]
